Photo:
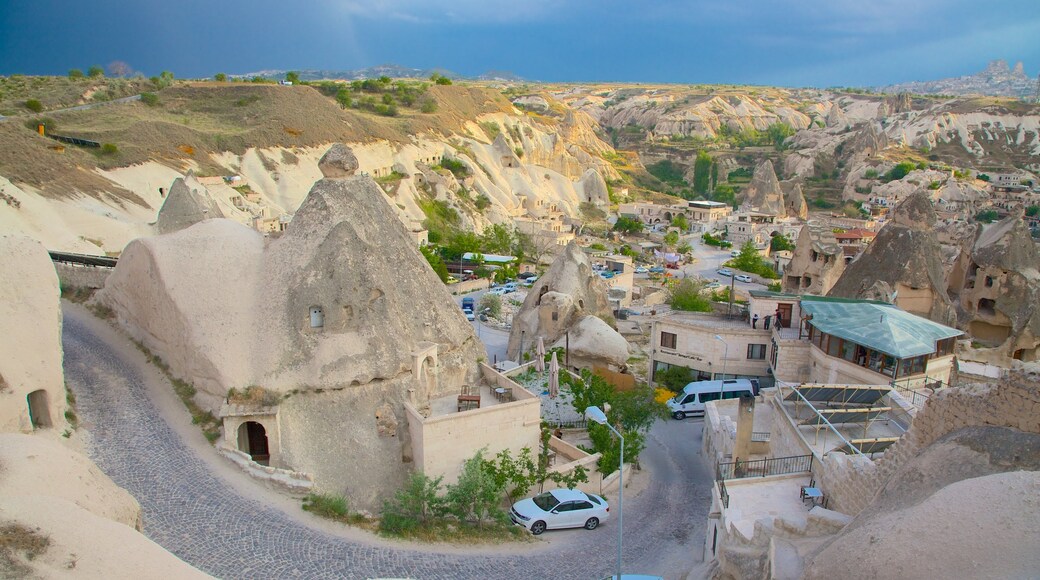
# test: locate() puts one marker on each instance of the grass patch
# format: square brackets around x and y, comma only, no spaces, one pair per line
[336,508]
[209,424]
[254,395]
[77,294]
[17,540]
[453,531]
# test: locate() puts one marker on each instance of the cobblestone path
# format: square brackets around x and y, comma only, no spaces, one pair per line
[199,517]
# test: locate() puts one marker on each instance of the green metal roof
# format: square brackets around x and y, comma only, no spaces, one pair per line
[877,325]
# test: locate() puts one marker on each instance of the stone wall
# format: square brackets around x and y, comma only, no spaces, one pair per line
[80,276]
[852,483]
[440,445]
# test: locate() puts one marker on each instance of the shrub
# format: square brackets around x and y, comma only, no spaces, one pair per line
[109,149]
[492,303]
[934,185]
[418,503]
[482,202]
[456,167]
[475,496]
[75,74]
[900,171]
[871,174]
[1033,211]
[986,216]
[150,99]
[343,97]
[220,77]
[428,106]
[491,128]
[34,105]
[628,225]
[686,295]
[674,378]
[328,506]
[95,72]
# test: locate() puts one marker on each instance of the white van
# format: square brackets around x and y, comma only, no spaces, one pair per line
[693,396]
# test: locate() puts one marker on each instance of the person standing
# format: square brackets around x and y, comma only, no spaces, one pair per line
[754,321]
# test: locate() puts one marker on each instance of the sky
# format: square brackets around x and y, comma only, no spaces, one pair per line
[817,43]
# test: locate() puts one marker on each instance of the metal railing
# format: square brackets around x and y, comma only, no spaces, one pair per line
[723,494]
[575,424]
[918,391]
[760,436]
[764,467]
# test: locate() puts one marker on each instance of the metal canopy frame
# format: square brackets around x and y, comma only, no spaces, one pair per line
[839,394]
[867,446]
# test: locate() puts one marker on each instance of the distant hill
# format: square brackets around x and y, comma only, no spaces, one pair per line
[997,79]
[393,71]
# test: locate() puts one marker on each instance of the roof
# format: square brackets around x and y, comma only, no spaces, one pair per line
[564,494]
[856,234]
[489,258]
[877,325]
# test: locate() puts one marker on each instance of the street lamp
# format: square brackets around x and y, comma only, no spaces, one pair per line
[722,383]
[596,414]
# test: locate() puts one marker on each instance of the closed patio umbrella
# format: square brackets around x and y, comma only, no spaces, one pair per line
[539,362]
[554,377]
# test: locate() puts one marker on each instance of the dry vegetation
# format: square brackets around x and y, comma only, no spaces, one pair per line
[17,545]
[192,120]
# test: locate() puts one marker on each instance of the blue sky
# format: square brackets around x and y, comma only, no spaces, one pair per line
[767,42]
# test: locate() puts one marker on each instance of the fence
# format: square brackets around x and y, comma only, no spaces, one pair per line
[760,436]
[575,424]
[723,494]
[764,467]
[917,391]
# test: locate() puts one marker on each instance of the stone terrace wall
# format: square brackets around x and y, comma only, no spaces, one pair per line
[852,483]
[77,276]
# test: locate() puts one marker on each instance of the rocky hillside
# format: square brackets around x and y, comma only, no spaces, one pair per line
[997,79]
[486,154]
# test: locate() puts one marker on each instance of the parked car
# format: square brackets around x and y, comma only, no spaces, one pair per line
[526,275]
[712,285]
[469,314]
[725,272]
[498,290]
[735,254]
[560,508]
[530,281]
[657,270]
[641,270]
[606,274]
[743,278]
[510,287]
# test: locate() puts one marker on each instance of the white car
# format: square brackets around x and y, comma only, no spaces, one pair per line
[641,270]
[743,278]
[498,290]
[560,508]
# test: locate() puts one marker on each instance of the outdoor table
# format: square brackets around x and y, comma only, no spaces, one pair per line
[813,495]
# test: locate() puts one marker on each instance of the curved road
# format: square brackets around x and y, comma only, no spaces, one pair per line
[215,525]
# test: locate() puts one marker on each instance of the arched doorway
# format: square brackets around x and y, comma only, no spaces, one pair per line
[39,409]
[252,439]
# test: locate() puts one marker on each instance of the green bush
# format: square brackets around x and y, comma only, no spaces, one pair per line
[628,225]
[95,72]
[34,105]
[668,172]
[428,106]
[900,171]
[986,216]
[150,99]
[417,504]
[109,149]
[456,167]
[686,296]
[871,174]
[327,506]
[220,77]
[75,74]
[492,303]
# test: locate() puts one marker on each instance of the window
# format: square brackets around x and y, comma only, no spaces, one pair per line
[690,399]
[756,351]
[705,397]
[668,340]
[834,346]
[848,351]
[736,394]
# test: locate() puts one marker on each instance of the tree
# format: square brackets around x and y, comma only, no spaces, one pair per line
[220,77]
[780,243]
[777,133]
[440,79]
[628,225]
[119,68]
[671,238]
[343,97]
[986,216]
[686,296]
[680,221]
[492,303]
[475,496]
[1033,211]
[714,175]
[498,239]
[428,106]
[435,262]
[702,172]
[75,74]
[674,378]
[417,503]
[95,71]
[293,77]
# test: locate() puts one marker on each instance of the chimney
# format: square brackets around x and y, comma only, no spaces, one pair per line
[745,425]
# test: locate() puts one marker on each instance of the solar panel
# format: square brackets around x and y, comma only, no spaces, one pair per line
[836,416]
[868,446]
[845,394]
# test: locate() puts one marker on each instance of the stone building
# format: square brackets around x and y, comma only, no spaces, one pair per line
[340,322]
[817,263]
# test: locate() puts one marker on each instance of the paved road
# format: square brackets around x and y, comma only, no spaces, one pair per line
[203,519]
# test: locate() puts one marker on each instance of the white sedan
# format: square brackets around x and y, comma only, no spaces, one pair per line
[641,270]
[560,508]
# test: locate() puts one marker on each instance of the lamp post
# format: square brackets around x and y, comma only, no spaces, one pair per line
[724,357]
[596,414]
